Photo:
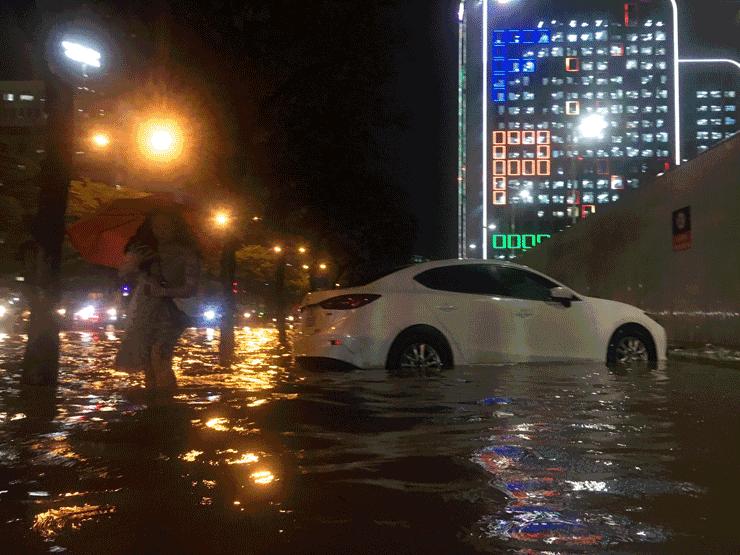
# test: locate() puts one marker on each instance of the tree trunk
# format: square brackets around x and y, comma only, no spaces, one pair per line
[280,299]
[41,360]
[228,273]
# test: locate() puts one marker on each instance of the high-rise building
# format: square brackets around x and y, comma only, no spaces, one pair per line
[569,105]
[709,104]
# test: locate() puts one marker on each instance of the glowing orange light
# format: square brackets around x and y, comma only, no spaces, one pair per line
[277,249]
[160,140]
[100,140]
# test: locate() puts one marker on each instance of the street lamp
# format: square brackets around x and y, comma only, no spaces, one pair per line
[160,139]
[85,55]
[322,266]
[221,219]
[277,249]
[302,250]
[100,140]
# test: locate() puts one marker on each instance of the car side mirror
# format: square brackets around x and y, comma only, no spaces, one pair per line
[562,295]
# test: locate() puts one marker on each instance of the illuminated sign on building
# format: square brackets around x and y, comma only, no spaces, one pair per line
[515,241]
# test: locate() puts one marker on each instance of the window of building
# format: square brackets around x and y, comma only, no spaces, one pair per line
[660,51]
[729,94]
[646,66]
[660,36]
[587,80]
[633,109]
[632,124]
[8,97]
[702,94]
[572,37]
[601,95]
[647,137]
[514,110]
[617,152]
[662,65]
[646,123]
[557,95]
[588,95]
[715,94]
[730,121]
[617,95]
[716,135]
[616,50]
[702,121]
[730,108]
[662,109]
[631,37]
[572,64]
[632,152]
[631,64]
[601,65]
[648,153]
[616,80]
[600,35]
[26,97]
[716,121]
[646,50]
[632,49]
[557,36]
[659,123]
[662,137]
[587,51]
[644,93]
[661,93]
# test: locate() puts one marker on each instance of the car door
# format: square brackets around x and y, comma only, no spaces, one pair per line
[467,304]
[553,330]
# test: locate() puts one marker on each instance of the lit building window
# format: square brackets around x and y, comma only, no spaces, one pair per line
[702,122]
[9,97]
[730,121]
[660,36]
[715,94]
[646,66]
[716,135]
[647,137]
[662,137]
[644,93]
[631,37]
[616,50]
[602,65]
[600,35]
[648,153]
[702,94]
[26,97]
[729,94]
[661,65]
[716,121]
[588,66]
[662,109]
[631,64]
[730,108]
[646,50]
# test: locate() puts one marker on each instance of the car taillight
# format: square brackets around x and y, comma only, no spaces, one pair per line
[348,302]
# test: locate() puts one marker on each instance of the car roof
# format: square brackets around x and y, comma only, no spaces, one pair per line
[411,271]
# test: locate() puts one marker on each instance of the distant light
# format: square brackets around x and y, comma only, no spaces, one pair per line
[472,246]
[305,266]
[277,249]
[80,53]
[112,312]
[221,219]
[3,311]
[503,1]
[20,278]
[247,314]
[461,11]
[160,139]
[62,311]
[322,266]
[540,24]
[100,140]
[492,226]
[209,315]
[302,250]
[592,127]
[86,313]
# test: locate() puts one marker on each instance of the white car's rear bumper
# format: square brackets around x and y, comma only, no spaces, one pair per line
[360,352]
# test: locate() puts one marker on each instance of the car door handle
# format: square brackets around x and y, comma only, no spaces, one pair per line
[447,308]
[524,314]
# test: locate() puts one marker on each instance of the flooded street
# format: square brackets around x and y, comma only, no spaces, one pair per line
[268,459]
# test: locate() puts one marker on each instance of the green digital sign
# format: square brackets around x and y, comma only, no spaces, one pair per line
[517,241]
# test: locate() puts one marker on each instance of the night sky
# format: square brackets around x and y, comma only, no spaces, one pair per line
[425,89]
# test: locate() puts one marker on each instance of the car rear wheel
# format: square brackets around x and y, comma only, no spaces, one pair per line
[418,351]
[631,345]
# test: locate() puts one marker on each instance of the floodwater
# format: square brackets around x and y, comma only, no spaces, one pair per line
[267,459]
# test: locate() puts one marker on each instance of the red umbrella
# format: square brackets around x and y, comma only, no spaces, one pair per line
[102,237]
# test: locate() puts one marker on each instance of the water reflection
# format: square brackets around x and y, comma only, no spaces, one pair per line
[262,458]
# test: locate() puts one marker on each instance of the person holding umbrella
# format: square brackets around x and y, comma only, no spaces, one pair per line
[163,258]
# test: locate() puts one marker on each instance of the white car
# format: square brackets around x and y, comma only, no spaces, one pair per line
[462,312]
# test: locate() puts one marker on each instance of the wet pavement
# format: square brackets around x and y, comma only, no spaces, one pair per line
[268,459]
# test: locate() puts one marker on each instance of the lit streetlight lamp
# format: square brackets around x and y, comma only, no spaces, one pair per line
[160,140]
[100,140]
[222,219]
[277,249]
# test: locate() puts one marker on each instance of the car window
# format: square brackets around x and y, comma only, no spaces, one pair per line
[522,284]
[478,279]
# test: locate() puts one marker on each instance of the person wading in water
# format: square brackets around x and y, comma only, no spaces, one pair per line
[163,258]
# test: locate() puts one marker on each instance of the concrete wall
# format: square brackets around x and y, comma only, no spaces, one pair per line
[625,251]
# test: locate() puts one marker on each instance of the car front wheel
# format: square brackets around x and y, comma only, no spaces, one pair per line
[631,345]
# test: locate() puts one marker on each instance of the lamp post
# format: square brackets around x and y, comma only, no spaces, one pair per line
[280,300]
[66,61]
[223,222]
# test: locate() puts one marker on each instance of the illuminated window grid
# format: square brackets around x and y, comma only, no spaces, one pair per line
[572,107]
[499,152]
[572,65]
[499,183]
[499,198]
